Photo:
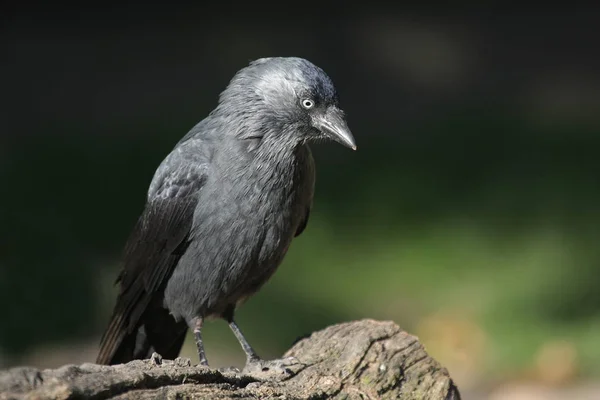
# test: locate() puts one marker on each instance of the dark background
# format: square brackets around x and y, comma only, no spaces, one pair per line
[469,215]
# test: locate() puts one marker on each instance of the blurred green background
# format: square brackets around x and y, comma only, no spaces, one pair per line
[469,215]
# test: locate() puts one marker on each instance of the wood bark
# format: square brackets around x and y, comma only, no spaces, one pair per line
[364,359]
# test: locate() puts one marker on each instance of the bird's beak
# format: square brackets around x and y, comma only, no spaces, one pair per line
[333,125]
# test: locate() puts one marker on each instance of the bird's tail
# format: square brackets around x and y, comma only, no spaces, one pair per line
[157,332]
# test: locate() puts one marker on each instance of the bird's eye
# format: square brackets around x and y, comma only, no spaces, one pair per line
[308,103]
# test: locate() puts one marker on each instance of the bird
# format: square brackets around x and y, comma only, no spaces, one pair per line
[222,210]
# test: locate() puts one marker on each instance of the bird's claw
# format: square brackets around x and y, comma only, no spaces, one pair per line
[233,370]
[279,369]
[156,358]
[182,362]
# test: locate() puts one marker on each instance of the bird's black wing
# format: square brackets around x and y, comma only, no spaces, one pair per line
[153,249]
[303,224]
[308,184]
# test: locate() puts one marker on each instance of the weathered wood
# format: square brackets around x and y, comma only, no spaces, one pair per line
[364,359]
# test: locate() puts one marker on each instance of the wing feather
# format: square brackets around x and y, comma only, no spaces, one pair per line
[153,250]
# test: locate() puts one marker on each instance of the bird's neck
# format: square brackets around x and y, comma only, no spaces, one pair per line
[273,146]
[271,140]
[275,165]
[274,156]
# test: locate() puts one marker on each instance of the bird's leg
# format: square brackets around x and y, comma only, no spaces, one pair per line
[251,355]
[197,328]
[255,366]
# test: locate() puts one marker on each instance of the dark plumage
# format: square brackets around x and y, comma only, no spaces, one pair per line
[223,208]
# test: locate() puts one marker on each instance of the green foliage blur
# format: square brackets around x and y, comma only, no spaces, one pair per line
[472,225]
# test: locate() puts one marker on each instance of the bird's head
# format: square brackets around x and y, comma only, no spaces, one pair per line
[287,97]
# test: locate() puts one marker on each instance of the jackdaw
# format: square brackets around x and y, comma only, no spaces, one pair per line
[222,210]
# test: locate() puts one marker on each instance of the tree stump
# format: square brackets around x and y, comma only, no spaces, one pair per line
[364,359]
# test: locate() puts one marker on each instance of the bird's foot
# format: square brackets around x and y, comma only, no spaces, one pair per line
[156,358]
[279,369]
[230,370]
